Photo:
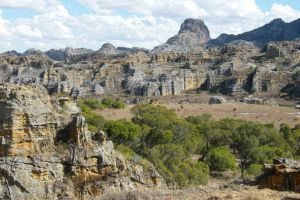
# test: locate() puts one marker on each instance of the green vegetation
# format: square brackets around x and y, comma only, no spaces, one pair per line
[94,104]
[113,103]
[123,132]
[221,159]
[89,106]
[184,151]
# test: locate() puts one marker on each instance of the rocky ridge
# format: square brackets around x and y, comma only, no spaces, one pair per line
[276,30]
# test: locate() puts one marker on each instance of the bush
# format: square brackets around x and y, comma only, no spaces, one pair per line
[221,159]
[107,102]
[88,105]
[112,103]
[254,170]
[118,104]
[95,122]
[92,104]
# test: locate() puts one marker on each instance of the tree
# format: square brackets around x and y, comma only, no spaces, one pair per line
[266,153]
[213,137]
[245,141]
[123,132]
[174,164]
[154,116]
[157,136]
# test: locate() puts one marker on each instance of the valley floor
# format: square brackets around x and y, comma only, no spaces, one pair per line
[259,113]
[210,192]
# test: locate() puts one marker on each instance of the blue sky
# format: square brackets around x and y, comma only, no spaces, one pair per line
[46,24]
[266,4]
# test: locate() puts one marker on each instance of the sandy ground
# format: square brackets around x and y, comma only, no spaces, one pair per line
[259,113]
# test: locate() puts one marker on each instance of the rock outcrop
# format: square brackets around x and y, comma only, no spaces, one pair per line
[282,175]
[48,153]
[192,35]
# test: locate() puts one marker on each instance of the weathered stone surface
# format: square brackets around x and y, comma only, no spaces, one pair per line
[283,174]
[46,151]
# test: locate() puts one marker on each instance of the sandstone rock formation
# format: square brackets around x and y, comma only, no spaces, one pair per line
[237,68]
[282,175]
[48,153]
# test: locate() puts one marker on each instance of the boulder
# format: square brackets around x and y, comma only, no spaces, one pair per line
[217,100]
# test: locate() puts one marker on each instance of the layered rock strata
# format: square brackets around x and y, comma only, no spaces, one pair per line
[48,153]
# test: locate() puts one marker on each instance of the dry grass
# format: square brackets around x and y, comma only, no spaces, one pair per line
[204,193]
[259,113]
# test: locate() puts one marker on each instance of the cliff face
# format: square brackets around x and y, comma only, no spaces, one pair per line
[48,153]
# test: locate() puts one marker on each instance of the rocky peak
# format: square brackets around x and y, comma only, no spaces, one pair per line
[108,48]
[194,26]
[277,22]
[193,34]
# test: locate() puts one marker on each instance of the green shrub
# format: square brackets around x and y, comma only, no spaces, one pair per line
[95,122]
[91,104]
[221,159]
[254,170]
[117,104]
[107,102]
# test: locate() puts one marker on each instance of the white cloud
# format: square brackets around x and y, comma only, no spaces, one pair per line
[171,8]
[27,32]
[284,11]
[128,23]
[37,5]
